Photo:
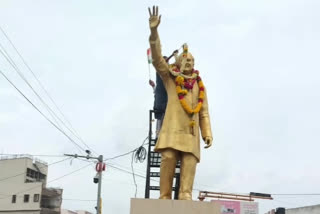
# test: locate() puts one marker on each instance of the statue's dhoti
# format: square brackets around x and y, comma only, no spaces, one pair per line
[169,158]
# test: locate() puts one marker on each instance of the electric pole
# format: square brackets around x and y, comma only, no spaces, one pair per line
[100,166]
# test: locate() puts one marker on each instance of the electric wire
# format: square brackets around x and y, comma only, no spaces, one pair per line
[138,154]
[295,194]
[140,170]
[10,60]
[51,112]
[50,156]
[65,175]
[72,199]
[133,175]
[15,67]
[127,153]
[290,203]
[23,173]
[52,123]
[44,197]
[126,171]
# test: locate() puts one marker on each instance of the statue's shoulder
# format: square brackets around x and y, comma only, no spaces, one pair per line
[174,70]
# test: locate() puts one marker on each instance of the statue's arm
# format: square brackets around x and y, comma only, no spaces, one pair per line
[157,59]
[204,120]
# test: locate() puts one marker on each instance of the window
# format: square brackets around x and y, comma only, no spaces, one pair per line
[36,197]
[14,198]
[26,198]
[34,176]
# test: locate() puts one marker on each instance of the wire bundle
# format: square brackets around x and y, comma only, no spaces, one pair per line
[140,154]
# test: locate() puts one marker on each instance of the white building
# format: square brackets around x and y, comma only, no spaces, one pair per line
[23,187]
[64,211]
[315,209]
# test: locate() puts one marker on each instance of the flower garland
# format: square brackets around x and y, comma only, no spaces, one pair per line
[174,70]
[188,84]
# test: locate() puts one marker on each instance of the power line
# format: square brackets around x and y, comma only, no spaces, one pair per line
[139,175]
[23,173]
[133,175]
[65,175]
[303,194]
[126,171]
[53,156]
[128,167]
[52,123]
[73,131]
[70,173]
[44,197]
[138,154]
[51,112]
[71,199]
[127,153]
[15,67]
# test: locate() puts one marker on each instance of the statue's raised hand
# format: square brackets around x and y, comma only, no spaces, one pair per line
[154,19]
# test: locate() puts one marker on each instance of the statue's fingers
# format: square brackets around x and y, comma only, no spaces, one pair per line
[208,142]
[157,10]
[159,19]
[153,10]
[149,11]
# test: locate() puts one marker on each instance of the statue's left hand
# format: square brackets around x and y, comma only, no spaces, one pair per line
[208,141]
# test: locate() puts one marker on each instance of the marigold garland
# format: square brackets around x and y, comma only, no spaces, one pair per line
[179,80]
[180,90]
[181,83]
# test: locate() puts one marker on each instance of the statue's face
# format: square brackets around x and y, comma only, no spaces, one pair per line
[186,63]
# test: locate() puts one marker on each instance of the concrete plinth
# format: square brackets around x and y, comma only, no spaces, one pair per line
[157,206]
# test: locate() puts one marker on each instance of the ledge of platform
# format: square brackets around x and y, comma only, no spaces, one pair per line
[157,206]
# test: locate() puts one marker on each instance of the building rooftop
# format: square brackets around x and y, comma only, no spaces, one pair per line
[21,156]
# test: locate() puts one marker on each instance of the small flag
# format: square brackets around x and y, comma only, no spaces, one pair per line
[149,56]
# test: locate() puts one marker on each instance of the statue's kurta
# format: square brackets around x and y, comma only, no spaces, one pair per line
[176,132]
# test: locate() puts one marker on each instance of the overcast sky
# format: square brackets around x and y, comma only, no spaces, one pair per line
[259,61]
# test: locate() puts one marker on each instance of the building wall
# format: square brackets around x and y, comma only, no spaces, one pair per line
[64,211]
[83,212]
[15,170]
[20,212]
[304,210]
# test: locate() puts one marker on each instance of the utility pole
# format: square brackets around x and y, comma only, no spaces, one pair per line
[100,168]
[98,178]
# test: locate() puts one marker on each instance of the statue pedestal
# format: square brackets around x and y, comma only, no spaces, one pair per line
[157,206]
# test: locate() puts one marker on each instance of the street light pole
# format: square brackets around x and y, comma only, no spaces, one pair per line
[99,202]
[99,167]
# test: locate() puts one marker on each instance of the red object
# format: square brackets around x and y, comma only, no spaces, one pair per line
[189,84]
[100,167]
[152,83]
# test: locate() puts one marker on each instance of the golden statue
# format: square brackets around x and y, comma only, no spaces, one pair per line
[186,114]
